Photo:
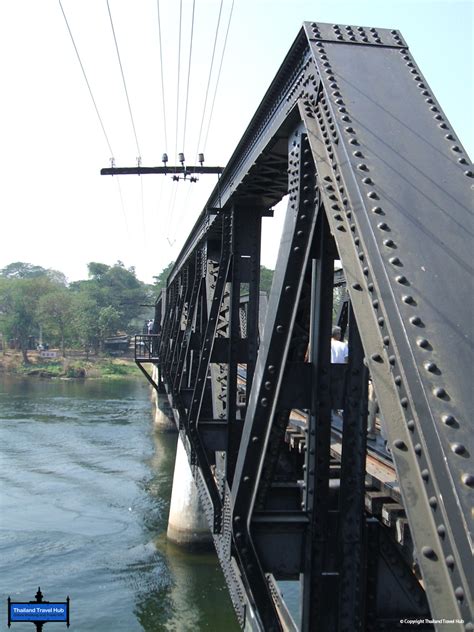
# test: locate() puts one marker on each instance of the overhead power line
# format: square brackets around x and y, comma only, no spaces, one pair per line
[124,82]
[87,82]
[209,79]
[179,78]
[218,77]
[189,74]
[162,77]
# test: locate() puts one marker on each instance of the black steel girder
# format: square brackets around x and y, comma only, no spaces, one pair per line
[377,179]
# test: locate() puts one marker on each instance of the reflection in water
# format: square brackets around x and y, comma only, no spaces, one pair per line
[196,597]
[85,484]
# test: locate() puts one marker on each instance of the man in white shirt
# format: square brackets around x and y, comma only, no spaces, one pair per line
[339,349]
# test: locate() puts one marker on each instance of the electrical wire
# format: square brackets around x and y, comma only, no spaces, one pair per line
[189,75]
[162,77]
[179,78]
[112,160]
[87,83]
[218,77]
[209,79]
[123,79]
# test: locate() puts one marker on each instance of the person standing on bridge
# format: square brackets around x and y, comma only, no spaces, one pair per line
[339,348]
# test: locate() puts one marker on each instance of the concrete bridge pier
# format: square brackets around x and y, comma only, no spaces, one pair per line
[187,525]
[162,411]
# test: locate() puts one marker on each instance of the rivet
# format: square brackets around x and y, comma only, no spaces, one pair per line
[423,343]
[455,148]
[404,402]
[428,552]
[280,329]
[433,502]
[469,174]
[406,298]
[386,342]
[439,392]
[449,420]
[401,279]
[381,321]
[363,167]
[271,368]
[430,366]
[417,449]
[382,226]
[398,443]
[458,448]
[254,439]
[392,360]
[372,195]
[377,210]
[367,180]
[357,286]
[441,530]
[449,561]
[264,402]
[268,385]
[468,479]
[411,424]
[425,475]
[389,243]
[395,261]
[459,592]
[398,380]
[375,303]
[415,320]
[376,357]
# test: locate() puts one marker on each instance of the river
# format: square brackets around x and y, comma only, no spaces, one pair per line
[85,484]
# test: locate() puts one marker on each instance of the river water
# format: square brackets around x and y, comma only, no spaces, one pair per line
[85,483]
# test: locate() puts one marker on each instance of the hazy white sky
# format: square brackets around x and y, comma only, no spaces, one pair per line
[56,209]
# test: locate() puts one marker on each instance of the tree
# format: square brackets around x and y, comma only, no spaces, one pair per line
[19,300]
[109,319]
[266,279]
[84,323]
[160,280]
[55,314]
[21,270]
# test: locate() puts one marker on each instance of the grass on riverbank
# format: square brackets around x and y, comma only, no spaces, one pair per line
[74,366]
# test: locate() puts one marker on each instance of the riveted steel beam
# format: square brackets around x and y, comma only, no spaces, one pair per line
[376,178]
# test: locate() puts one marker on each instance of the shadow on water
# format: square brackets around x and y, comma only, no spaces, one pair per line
[195,596]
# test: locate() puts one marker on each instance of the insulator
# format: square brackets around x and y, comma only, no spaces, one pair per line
[164,158]
[181,158]
[201,158]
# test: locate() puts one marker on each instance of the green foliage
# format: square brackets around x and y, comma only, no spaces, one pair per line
[19,301]
[160,280]
[21,270]
[266,279]
[81,314]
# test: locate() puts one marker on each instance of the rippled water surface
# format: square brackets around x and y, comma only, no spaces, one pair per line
[85,483]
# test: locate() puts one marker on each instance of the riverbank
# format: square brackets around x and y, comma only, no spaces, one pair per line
[74,365]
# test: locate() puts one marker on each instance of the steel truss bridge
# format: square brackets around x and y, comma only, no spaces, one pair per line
[297,500]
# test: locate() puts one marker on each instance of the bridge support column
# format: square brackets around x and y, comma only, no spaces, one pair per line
[163,415]
[187,525]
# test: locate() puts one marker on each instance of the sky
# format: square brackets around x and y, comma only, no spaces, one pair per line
[58,212]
